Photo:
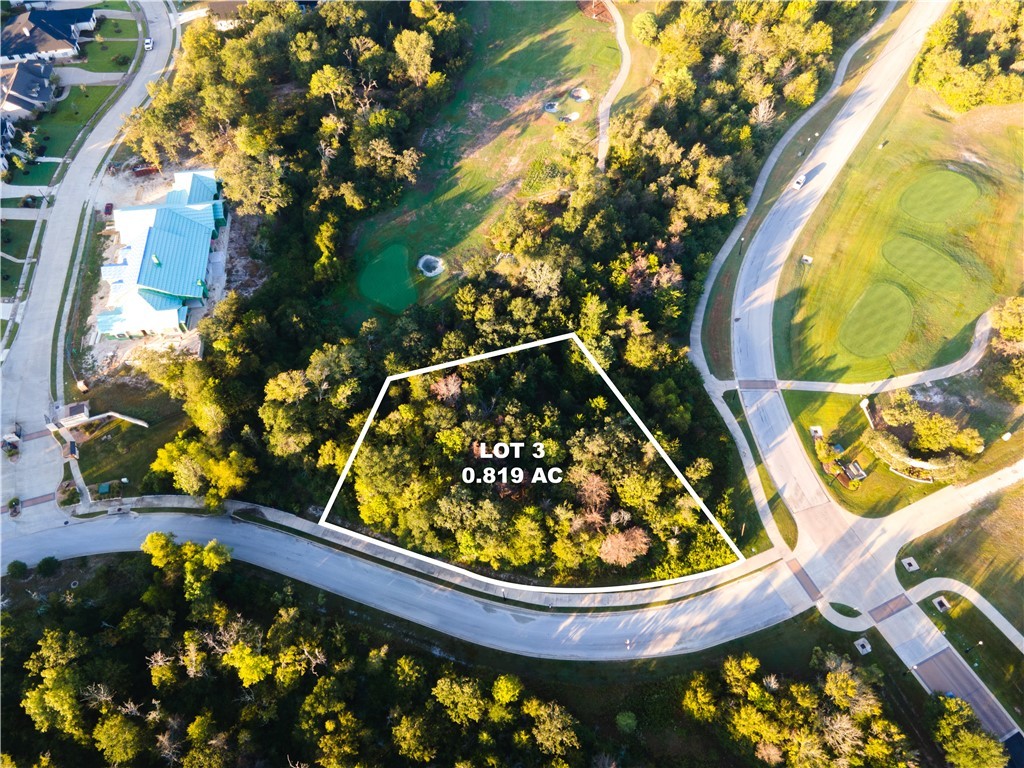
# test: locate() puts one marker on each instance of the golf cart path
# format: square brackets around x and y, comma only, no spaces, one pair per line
[926,589]
[605,108]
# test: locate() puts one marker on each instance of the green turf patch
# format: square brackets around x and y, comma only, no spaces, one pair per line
[934,270]
[386,279]
[878,322]
[491,135]
[16,236]
[848,233]
[938,195]
[57,129]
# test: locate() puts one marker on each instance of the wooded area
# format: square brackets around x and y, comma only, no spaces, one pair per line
[973,55]
[182,657]
[620,257]
[618,514]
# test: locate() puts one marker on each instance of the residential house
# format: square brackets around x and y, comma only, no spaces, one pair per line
[46,35]
[158,285]
[25,89]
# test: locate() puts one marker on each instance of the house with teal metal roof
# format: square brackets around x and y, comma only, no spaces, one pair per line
[158,280]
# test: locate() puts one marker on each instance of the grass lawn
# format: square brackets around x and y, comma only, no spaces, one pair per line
[108,29]
[15,238]
[58,128]
[910,246]
[100,60]
[112,5]
[10,276]
[490,136]
[38,174]
[780,512]
[997,661]
[716,332]
[981,549]
[641,71]
[119,449]
[842,420]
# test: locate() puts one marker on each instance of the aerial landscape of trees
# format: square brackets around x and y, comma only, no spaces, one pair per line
[615,511]
[183,657]
[285,382]
[972,56]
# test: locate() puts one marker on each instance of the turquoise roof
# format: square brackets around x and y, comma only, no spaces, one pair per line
[160,301]
[177,197]
[202,190]
[176,255]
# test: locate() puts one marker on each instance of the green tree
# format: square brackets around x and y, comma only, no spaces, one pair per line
[554,729]
[119,738]
[414,738]
[461,699]
[48,566]
[413,50]
[645,28]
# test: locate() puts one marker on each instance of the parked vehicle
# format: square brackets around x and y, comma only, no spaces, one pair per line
[147,44]
[144,170]
[108,209]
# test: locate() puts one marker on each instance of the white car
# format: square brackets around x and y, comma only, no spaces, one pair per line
[799,182]
[147,44]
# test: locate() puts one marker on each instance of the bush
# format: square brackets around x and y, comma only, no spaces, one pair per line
[625,722]
[645,28]
[122,60]
[17,569]
[48,566]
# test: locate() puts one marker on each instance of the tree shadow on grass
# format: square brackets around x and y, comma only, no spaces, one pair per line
[792,340]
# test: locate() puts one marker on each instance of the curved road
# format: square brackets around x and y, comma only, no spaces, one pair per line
[839,558]
[605,108]
[842,558]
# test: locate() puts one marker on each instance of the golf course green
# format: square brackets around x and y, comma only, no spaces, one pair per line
[917,238]
[878,322]
[386,279]
[919,261]
[937,195]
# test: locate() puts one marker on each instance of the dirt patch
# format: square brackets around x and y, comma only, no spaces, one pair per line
[594,9]
[244,274]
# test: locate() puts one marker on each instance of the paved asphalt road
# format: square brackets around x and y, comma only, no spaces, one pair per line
[747,605]
[840,555]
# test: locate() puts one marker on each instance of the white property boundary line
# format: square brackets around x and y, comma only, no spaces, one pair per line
[618,395]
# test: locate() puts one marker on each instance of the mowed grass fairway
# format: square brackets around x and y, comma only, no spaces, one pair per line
[981,549]
[911,245]
[937,195]
[878,321]
[492,135]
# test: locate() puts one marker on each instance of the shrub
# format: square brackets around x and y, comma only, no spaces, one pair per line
[122,60]
[48,566]
[625,722]
[17,569]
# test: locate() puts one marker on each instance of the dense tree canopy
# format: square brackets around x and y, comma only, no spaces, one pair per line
[129,669]
[972,55]
[620,257]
